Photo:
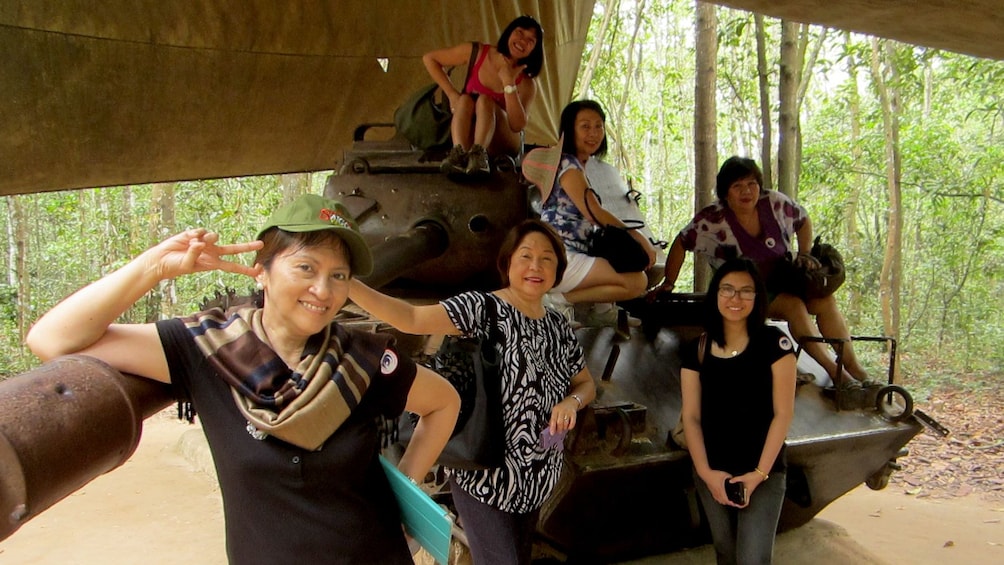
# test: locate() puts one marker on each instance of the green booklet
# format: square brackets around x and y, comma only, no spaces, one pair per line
[423,519]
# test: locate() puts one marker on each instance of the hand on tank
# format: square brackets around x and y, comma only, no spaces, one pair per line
[655,291]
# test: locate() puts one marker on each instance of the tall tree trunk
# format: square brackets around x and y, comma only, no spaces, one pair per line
[788,110]
[804,74]
[705,120]
[294,185]
[586,76]
[792,87]
[928,90]
[766,133]
[20,263]
[853,244]
[890,283]
[168,225]
[157,230]
[618,116]
[11,246]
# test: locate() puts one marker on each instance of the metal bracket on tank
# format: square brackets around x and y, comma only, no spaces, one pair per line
[931,424]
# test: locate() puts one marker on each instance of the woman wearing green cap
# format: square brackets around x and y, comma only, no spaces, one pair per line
[289,400]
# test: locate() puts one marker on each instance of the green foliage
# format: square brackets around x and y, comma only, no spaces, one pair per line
[952,162]
[74,238]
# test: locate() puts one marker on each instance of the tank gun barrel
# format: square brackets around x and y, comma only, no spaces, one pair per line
[64,424]
[397,254]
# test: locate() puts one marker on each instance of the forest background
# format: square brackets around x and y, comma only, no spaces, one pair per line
[896,151]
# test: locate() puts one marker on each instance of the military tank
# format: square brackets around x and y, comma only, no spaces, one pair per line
[627,490]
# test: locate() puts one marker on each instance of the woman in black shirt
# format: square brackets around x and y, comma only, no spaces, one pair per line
[738,384]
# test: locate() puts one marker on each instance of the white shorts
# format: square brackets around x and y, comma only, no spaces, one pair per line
[579,265]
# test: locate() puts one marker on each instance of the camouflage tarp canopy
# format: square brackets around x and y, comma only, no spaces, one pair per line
[133,91]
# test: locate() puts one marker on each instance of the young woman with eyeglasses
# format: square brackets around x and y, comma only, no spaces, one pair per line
[738,402]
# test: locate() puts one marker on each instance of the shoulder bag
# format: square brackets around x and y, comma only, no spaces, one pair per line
[472,367]
[616,244]
[678,436]
[424,118]
[808,281]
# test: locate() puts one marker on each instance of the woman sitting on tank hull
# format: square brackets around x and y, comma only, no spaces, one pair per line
[575,212]
[749,221]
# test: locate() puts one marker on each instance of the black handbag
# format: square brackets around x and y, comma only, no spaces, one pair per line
[424,119]
[616,244]
[809,281]
[472,367]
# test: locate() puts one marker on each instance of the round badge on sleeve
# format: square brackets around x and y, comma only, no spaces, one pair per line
[784,343]
[388,363]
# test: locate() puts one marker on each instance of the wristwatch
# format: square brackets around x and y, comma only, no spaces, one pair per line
[509,89]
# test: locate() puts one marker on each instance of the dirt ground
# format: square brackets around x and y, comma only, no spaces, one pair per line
[162,507]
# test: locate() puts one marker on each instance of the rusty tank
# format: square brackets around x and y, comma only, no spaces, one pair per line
[627,490]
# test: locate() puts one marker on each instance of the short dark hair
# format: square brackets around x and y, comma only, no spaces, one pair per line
[277,241]
[733,169]
[535,60]
[713,317]
[566,126]
[516,235]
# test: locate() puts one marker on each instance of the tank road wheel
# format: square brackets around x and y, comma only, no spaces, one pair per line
[880,479]
[358,166]
[894,403]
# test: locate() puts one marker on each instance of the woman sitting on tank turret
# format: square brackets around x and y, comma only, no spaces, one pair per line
[494,106]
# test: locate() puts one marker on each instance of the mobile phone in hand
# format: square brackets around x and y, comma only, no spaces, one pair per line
[736,492]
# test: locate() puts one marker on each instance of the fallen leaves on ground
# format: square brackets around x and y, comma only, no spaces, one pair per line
[970,459]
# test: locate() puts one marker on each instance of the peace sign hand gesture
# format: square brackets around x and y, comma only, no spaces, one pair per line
[195,251]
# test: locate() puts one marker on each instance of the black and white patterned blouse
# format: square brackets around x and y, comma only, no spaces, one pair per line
[539,359]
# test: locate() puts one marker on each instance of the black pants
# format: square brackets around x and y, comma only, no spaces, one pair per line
[496,537]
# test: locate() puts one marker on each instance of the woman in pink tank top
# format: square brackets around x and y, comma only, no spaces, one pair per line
[493,107]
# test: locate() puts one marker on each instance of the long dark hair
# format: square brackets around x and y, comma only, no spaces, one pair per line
[535,60]
[566,126]
[713,323]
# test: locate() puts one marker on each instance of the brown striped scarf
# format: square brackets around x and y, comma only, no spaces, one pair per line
[302,406]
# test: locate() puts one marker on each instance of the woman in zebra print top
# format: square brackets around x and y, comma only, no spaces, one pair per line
[545,382]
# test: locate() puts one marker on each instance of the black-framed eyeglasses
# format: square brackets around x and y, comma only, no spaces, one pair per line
[729,291]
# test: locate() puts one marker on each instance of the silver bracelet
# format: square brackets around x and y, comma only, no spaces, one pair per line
[577,399]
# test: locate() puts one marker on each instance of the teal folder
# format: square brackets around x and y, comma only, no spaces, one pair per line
[423,519]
